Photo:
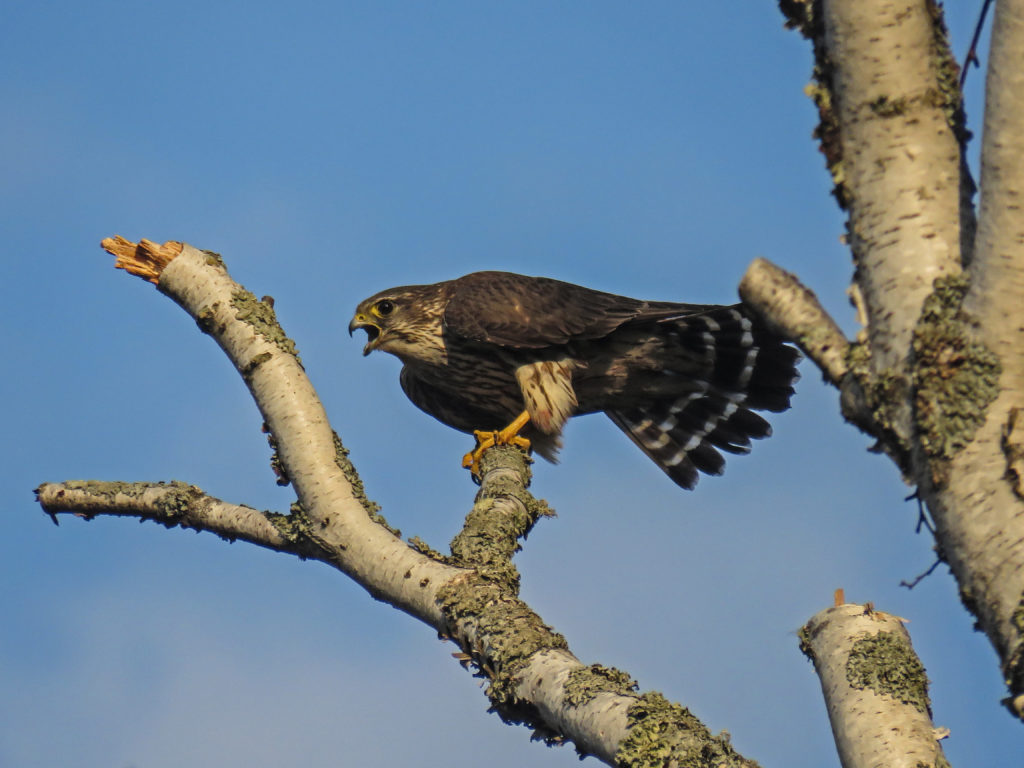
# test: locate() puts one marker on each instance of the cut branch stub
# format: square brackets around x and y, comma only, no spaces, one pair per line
[792,311]
[875,688]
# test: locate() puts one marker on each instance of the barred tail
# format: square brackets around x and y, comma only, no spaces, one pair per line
[743,368]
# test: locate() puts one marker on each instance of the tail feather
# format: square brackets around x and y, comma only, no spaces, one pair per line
[743,368]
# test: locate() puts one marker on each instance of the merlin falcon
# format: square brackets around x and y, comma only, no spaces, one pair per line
[511,358]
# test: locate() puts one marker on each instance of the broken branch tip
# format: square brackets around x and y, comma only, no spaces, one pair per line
[145,259]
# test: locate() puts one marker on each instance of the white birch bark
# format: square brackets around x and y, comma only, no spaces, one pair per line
[982,516]
[368,552]
[939,375]
[875,689]
[900,167]
[470,597]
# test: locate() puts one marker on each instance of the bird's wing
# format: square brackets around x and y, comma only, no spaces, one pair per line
[523,312]
[719,367]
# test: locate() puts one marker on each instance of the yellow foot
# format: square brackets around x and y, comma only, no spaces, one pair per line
[484,440]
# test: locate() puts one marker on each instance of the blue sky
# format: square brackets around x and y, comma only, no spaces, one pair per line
[329,150]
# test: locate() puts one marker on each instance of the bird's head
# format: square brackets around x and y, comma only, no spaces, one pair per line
[406,321]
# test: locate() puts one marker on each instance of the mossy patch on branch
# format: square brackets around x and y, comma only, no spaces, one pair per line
[425,549]
[806,17]
[206,317]
[801,15]
[175,501]
[584,683]
[827,131]
[214,259]
[878,407]
[496,630]
[953,378]
[888,393]
[886,664]
[883,106]
[1012,444]
[1013,668]
[296,526]
[261,316]
[504,512]
[109,488]
[950,96]
[257,360]
[179,499]
[347,468]
[508,633]
[956,376]
[280,474]
[1018,616]
[662,733]
[804,636]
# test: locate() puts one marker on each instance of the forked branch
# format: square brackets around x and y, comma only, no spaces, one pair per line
[470,596]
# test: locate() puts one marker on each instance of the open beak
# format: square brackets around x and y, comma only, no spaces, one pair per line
[371,328]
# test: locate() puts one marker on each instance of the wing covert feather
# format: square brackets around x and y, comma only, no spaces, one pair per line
[523,312]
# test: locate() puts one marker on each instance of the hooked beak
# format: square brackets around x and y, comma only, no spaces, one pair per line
[373,331]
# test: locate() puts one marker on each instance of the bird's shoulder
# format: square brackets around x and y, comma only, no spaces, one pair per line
[520,311]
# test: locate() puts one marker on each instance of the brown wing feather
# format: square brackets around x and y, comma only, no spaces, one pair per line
[523,312]
[741,367]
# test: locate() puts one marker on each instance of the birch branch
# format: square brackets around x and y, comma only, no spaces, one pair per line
[980,513]
[793,311]
[892,131]
[875,688]
[470,597]
[170,504]
[336,515]
[940,373]
[900,166]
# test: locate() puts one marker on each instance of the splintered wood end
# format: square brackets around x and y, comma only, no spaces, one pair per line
[145,259]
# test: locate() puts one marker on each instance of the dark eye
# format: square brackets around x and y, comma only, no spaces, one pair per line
[385,307]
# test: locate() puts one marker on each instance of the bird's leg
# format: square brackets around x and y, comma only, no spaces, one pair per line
[507,436]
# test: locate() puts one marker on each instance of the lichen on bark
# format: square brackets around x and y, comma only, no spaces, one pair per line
[805,637]
[662,733]
[344,463]
[878,407]
[584,683]
[508,633]
[496,630]
[947,75]
[887,665]
[261,316]
[295,527]
[1012,443]
[806,17]
[1013,669]
[955,375]
[169,507]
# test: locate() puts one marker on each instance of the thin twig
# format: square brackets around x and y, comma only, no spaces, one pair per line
[921,576]
[922,513]
[972,52]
